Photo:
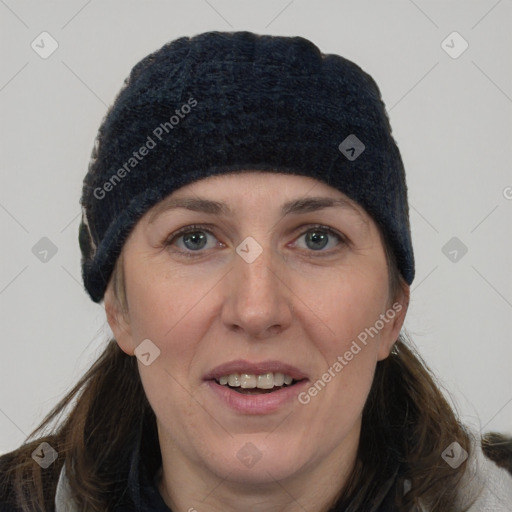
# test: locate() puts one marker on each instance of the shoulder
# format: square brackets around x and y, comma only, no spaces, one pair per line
[7,494]
[485,485]
[22,479]
[498,447]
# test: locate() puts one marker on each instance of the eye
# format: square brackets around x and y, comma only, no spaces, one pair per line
[195,238]
[191,238]
[320,237]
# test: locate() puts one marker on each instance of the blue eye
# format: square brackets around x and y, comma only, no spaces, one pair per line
[319,237]
[193,239]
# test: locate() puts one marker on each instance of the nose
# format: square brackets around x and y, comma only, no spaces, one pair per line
[258,301]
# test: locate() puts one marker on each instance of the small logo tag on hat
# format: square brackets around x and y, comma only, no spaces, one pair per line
[351,147]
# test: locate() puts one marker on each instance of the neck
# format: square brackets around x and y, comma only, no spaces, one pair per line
[191,487]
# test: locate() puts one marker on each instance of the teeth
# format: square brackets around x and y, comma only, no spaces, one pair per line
[278,379]
[251,381]
[234,380]
[266,381]
[248,381]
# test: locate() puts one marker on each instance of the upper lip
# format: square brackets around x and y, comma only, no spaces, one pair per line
[241,366]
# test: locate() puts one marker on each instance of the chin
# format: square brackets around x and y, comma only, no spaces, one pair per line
[253,459]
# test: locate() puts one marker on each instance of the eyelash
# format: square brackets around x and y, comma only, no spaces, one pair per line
[207,229]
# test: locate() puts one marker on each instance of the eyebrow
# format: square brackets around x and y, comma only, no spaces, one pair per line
[296,206]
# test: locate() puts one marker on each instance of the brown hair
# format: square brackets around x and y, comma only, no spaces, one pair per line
[407,423]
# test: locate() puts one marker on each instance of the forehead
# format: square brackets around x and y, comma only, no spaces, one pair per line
[224,194]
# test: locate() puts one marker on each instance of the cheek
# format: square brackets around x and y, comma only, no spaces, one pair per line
[349,342]
[158,301]
[349,307]
[170,399]
[169,310]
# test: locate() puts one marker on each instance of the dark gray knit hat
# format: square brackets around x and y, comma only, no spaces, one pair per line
[231,101]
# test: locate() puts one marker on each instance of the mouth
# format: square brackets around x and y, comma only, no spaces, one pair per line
[256,388]
[253,384]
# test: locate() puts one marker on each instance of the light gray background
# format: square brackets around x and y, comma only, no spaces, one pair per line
[451,119]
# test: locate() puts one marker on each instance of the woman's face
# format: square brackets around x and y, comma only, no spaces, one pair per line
[255,279]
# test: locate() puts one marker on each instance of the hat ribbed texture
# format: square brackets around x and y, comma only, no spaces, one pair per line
[237,101]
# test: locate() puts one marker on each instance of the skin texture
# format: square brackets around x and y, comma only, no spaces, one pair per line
[301,301]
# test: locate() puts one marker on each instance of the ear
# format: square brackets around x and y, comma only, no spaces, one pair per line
[119,321]
[396,316]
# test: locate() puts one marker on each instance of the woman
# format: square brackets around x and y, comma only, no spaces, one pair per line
[245,221]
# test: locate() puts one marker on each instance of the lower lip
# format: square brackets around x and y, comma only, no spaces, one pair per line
[257,404]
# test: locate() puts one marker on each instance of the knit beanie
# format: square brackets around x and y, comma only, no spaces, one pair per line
[223,102]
